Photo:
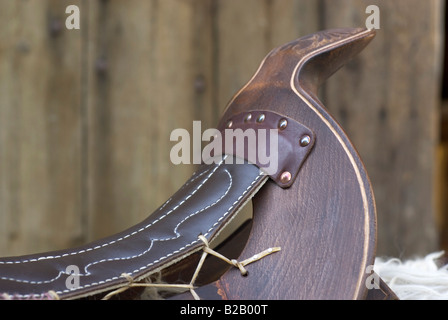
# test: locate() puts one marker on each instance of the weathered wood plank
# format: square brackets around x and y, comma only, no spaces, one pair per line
[388,101]
[149,74]
[247,30]
[39,128]
[159,66]
[85,116]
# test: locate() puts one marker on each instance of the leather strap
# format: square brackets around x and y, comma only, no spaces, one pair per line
[204,205]
[276,144]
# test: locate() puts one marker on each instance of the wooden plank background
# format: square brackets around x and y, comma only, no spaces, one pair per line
[86,115]
[388,101]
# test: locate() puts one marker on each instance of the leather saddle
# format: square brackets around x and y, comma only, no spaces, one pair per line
[296,203]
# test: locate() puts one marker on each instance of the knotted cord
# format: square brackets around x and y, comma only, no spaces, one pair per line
[206,251]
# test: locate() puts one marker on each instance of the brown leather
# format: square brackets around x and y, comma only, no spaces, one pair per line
[215,291]
[287,133]
[326,221]
[324,218]
[203,205]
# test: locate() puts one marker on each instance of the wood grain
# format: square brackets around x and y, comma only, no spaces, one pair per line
[85,115]
[146,73]
[325,223]
[388,102]
[40,142]
[254,27]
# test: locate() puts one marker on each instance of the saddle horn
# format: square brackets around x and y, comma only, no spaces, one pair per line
[316,205]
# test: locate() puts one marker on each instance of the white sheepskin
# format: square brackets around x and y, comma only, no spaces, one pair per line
[415,279]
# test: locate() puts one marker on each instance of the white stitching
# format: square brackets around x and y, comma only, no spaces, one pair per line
[208,231]
[87,273]
[178,250]
[175,230]
[128,235]
[193,178]
[168,255]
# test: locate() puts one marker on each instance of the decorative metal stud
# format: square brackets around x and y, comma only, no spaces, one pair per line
[283,124]
[305,141]
[261,118]
[285,177]
[229,124]
[248,117]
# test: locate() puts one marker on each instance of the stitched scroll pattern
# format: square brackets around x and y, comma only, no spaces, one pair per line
[197,182]
[86,272]
[112,242]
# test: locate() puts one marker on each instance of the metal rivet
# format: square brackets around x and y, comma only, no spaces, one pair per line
[261,118]
[283,124]
[229,124]
[285,177]
[305,141]
[248,118]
